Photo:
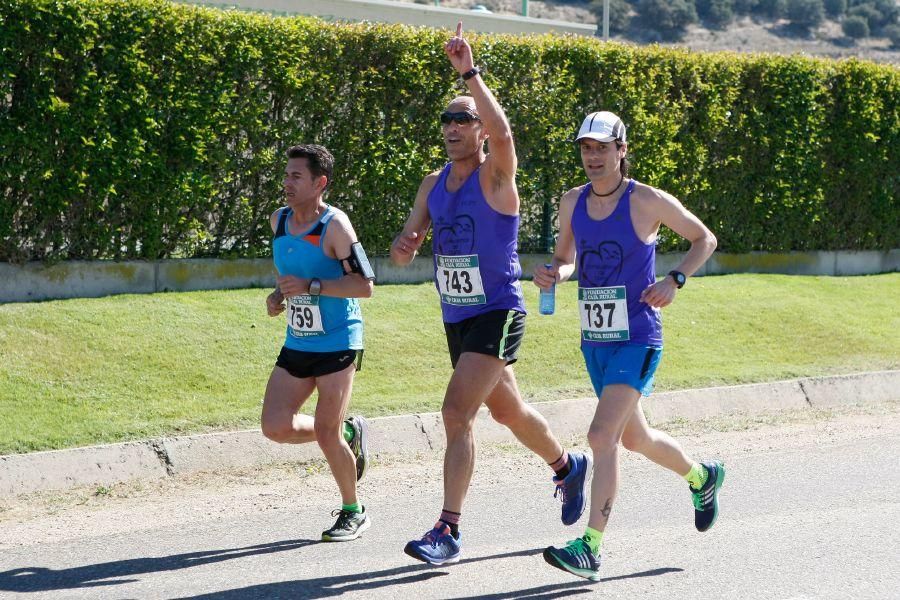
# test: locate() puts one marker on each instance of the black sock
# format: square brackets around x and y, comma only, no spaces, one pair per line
[561,474]
[454,529]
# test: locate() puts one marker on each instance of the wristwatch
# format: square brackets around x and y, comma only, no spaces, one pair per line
[679,278]
[471,73]
[315,286]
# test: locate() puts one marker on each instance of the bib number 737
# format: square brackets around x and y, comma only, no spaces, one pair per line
[604,314]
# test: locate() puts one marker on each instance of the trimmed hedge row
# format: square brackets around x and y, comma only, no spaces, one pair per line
[145,129]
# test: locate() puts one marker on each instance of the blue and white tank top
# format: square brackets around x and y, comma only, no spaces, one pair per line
[315,323]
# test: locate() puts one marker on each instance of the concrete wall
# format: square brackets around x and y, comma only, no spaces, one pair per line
[384,11]
[79,279]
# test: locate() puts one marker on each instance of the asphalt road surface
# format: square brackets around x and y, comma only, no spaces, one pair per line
[810,509]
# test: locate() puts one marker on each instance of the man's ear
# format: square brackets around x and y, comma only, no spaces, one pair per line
[323,180]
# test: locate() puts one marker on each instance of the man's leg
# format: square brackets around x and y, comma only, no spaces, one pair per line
[615,407]
[473,379]
[334,398]
[528,425]
[285,394]
[704,479]
[531,428]
[656,445]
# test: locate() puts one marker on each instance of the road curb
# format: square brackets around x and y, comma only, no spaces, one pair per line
[411,434]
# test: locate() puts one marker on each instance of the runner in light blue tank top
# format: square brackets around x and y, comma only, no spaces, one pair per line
[472,208]
[315,323]
[610,227]
[319,278]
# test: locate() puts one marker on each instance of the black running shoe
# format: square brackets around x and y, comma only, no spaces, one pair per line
[359,444]
[349,526]
[706,499]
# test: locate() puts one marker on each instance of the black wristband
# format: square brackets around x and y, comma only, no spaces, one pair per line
[471,73]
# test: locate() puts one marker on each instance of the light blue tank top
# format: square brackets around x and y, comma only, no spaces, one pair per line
[476,262]
[614,267]
[323,323]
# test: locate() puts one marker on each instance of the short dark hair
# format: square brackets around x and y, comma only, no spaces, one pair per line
[320,160]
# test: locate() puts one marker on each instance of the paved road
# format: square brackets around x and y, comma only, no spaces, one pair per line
[810,509]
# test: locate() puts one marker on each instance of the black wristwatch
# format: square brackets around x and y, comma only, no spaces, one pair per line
[679,278]
[315,286]
[471,73]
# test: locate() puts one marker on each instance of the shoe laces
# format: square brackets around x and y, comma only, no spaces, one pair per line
[560,491]
[434,534]
[577,546]
[343,516]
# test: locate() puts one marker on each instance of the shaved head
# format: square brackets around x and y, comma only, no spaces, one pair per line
[461,103]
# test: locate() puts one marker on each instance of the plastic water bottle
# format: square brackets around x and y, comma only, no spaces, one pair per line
[547,302]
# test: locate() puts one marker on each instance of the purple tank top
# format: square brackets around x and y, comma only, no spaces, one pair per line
[476,265]
[614,267]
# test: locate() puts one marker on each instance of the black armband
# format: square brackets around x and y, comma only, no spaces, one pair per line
[359,262]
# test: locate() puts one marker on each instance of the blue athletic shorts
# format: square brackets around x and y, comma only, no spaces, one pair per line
[622,363]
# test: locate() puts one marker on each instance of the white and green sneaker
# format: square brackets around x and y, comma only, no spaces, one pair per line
[576,558]
[349,526]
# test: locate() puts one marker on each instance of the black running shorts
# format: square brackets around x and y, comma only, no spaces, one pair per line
[316,364]
[495,333]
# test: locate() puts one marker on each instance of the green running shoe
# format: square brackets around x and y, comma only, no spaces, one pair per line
[349,526]
[706,499]
[359,444]
[576,558]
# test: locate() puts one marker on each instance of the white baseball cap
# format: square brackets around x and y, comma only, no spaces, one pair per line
[602,126]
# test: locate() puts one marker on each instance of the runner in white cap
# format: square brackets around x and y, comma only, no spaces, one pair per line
[611,225]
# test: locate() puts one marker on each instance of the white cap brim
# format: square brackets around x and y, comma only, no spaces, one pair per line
[595,136]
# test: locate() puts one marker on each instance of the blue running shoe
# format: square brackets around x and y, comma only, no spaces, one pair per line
[576,558]
[573,489]
[437,547]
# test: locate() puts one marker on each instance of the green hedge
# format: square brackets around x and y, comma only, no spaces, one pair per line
[144,129]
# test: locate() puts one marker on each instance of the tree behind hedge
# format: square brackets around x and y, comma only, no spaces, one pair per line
[855,27]
[805,13]
[144,129]
[669,17]
[835,8]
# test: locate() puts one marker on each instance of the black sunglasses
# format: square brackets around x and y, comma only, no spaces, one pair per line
[460,118]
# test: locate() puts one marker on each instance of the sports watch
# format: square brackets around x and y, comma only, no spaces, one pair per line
[315,286]
[679,278]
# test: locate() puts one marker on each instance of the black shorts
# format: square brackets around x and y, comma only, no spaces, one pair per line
[316,364]
[496,333]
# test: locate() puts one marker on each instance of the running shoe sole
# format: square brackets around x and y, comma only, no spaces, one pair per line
[553,561]
[362,427]
[349,538]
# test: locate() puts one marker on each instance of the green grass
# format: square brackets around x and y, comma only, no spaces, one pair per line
[87,371]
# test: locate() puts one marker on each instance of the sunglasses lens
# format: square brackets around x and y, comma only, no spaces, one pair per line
[457,117]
